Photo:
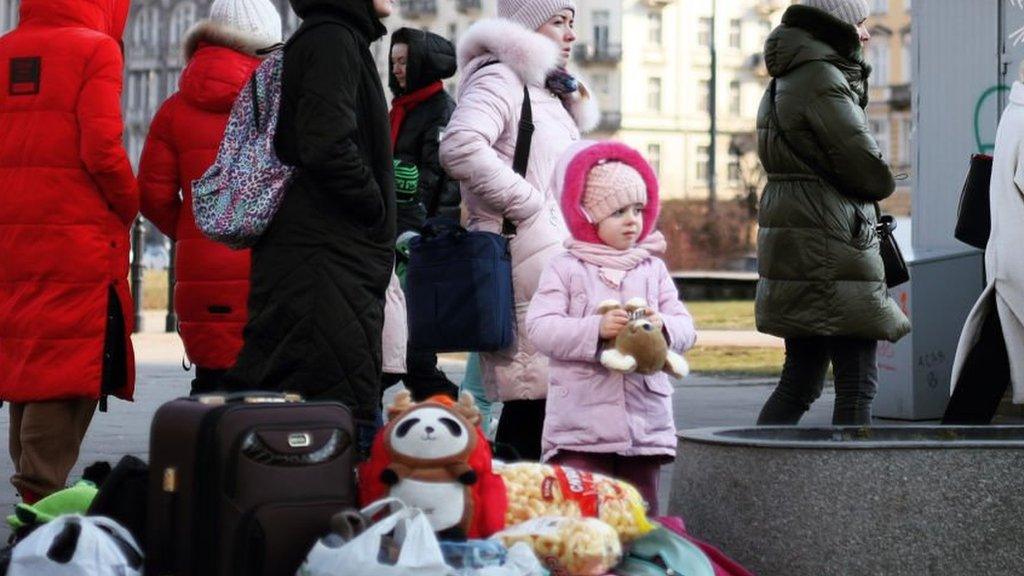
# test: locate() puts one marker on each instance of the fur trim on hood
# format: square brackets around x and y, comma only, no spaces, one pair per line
[219,35]
[570,178]
[530,55]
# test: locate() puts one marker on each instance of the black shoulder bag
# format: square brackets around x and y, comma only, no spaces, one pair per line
[896,270]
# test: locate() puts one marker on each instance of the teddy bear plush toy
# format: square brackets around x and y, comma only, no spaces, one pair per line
[433,456]
[640,347]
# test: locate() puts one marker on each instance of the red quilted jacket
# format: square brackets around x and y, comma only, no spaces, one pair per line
[212,279]
[67,200]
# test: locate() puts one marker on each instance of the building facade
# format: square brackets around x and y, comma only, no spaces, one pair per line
[889,111]
[665,108]
[661,105]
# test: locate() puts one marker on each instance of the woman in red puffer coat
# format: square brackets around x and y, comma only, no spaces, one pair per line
[212,279]
[67,200]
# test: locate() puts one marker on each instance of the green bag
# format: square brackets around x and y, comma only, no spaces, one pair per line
[661,552]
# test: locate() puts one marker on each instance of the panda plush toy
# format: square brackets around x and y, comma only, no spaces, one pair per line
[433,456]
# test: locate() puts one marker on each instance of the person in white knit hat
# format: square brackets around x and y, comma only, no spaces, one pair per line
[258,18]
[212,281]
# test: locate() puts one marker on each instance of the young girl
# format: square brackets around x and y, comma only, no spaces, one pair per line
[598,420]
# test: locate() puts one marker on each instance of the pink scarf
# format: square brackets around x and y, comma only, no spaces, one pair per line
[614,264]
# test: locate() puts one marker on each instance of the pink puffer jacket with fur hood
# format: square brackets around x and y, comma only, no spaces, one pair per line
[477,149]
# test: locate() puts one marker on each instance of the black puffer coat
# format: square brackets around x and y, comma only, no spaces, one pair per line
[818,256]
[431,59]
[319,274]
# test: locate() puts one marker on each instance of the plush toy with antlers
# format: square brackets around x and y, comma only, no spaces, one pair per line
[640,347]
[432,456]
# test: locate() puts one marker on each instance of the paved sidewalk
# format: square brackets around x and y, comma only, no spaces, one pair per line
[124,429]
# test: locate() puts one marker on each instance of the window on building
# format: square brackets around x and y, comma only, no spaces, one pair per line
[879,6]
[880,132]
[602,20]
[654,28]
[906,138]
[908,59]
[704,32]
[153,92]
[735,97]
[734,170]
[735,33]
[654,94]
[878,57]
[182,18]
[173,76]
[8,15]
[703,161]
[704,96]
[654,158]
[765,26]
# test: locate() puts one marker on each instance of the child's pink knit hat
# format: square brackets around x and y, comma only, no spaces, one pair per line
[611,186]
[598,178]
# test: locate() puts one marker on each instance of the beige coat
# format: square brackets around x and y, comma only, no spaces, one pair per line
[1004,265]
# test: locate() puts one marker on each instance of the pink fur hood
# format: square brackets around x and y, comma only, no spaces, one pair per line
[570,177]
[529,54]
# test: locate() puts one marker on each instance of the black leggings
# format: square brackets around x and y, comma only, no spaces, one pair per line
[519,430]
[984,378]
[803,377]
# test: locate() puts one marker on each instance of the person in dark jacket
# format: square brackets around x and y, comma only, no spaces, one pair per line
[822,284]
[211,280]
[420,62]
[320,271]
[420,110]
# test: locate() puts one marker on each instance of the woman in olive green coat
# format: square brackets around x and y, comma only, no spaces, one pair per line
[822,282]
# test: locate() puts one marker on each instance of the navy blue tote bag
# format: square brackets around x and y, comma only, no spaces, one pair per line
[459,283]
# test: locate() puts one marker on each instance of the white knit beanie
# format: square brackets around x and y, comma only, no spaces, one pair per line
[258,18]
[849,11]
[532,14]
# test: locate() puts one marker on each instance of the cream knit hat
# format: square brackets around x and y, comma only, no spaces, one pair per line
[849,11]
[532,13]
[611,186]
[258,18]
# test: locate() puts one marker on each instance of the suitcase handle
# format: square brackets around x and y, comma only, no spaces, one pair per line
[249,397]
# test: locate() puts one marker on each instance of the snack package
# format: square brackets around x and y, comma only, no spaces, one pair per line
[568,546]
[536,490]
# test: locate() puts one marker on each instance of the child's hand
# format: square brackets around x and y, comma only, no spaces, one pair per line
[613,322]
[655,319]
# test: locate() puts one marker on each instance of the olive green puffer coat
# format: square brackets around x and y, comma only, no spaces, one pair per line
[820,269]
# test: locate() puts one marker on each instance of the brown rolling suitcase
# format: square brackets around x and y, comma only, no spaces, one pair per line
[244,484]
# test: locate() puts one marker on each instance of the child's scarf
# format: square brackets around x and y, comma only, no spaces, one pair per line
[613,264]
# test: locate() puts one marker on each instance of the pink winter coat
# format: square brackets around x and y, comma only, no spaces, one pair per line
[477,149]
[590,408]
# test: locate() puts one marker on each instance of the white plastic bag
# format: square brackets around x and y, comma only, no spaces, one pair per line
[76,545]
[419,553]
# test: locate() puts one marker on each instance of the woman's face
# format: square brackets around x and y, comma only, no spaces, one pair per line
[399,58]
[383,8]
[560,29]
[862,32]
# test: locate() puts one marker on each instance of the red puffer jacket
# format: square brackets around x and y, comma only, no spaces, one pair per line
[67,200]
[212,280]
